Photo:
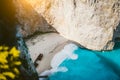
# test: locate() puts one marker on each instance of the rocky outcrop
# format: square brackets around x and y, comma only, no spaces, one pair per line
[91,23]
[30,21]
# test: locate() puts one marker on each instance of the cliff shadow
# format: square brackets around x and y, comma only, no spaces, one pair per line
[116,37]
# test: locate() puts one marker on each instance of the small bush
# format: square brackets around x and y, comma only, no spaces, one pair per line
[9,63]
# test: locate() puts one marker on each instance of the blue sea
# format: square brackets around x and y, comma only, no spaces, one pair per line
[89,65]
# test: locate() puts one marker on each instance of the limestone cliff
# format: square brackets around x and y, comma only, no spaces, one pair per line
[30,21]
[91,23]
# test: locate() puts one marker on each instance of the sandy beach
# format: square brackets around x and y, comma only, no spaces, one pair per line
[48,45]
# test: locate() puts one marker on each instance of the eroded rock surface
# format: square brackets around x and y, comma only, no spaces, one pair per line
[91,23]
[30,21]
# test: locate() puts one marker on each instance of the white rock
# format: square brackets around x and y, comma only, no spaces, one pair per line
[91,23]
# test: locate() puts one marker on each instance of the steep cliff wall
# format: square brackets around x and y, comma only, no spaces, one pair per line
[91,23]
[30,21]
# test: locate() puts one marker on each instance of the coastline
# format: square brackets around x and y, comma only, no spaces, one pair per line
[48,44]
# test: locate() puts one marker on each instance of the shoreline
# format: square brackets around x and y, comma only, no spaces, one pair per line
[47,44]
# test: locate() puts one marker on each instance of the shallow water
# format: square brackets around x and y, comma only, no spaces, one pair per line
[90,65]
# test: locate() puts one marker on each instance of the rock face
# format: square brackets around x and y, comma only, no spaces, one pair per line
[91,23]
[30,21]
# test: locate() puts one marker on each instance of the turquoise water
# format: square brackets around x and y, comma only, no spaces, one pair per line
[91,65]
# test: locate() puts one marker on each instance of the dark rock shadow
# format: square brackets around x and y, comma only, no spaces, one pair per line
[116,37]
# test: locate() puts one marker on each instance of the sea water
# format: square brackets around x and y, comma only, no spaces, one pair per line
[75,63]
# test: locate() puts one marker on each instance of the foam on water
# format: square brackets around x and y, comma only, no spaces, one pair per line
[83,64]
[54,70]
[66,53]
